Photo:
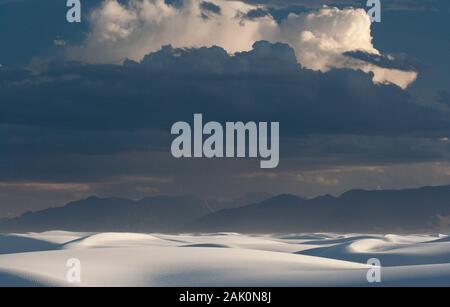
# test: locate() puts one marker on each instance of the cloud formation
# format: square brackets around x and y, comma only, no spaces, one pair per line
[104,129]
[172,84]
[88,122]
[320,38]
[142,26]
[69,121]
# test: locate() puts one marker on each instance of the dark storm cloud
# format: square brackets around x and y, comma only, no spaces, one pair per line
[41,140]
[74,122]
[174,3]
[172,84]
[372,148]
[397,61]
[256,13]
[210,7]
[97,123]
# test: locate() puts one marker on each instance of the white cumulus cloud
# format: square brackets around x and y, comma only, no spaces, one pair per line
[320,38]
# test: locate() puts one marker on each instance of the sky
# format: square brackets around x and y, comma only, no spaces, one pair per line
[86,109]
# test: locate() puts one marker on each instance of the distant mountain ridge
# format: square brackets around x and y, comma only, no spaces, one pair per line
[244,200]
[408,210]
[421,209]
[159,213]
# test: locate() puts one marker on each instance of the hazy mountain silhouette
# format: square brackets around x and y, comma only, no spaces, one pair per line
[244,200]
[409,210]
[160,213]
[422,209]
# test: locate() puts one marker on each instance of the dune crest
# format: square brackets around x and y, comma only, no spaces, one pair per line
[223,259]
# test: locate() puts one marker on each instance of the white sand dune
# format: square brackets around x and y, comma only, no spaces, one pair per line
[223,259]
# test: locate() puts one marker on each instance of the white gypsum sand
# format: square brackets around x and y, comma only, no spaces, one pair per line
[222,259]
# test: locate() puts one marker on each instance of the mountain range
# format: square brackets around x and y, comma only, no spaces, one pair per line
[407,210]
[159,213]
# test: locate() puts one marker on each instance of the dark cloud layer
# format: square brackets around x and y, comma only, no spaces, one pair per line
[172,84]
[104,129]
[76,110]
[210,7]
[69,111]
[399,61]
